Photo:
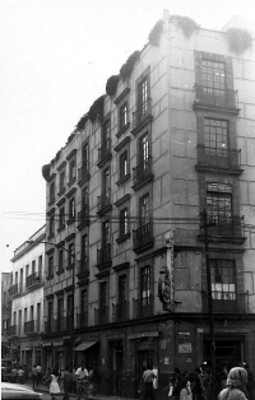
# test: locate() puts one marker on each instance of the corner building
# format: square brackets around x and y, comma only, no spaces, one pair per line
[167,153]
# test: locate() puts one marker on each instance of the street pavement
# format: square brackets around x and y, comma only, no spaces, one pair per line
[45,391]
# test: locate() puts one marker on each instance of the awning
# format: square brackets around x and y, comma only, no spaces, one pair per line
[84,346]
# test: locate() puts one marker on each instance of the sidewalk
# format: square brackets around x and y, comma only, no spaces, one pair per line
[44,389]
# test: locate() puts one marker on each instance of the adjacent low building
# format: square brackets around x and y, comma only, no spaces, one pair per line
[151,214]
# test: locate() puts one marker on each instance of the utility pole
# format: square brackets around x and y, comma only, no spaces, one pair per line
[210,306]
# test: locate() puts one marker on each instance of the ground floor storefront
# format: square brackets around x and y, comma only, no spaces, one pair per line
[120,352]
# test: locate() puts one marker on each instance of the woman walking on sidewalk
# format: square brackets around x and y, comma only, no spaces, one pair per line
[54,385]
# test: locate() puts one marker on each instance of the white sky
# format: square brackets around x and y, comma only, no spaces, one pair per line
[56,56]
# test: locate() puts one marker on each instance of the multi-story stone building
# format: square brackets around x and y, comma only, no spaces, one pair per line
[27,305]
[151,200]
[5,307]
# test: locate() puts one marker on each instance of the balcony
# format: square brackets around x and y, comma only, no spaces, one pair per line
[120,312]
[104,153]
[104,256]
[13,330]
[210,158]
[14,289]
[143,173]
[104,204]
[229,303]
[83,175]
[30,327]
[101,316]
[224,229]
[143,307]
[83,268]
[33,280]
[82,319]
[83,217]
[208,98]
[143,237]
[50,326]
[142,116]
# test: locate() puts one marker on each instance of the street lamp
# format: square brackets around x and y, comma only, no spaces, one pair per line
[72,262]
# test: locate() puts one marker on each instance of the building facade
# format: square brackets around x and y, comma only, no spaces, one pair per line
[151,201]
[27,304]
[6,312]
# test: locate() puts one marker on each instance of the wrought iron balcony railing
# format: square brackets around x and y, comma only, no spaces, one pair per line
[143,307]
[30,327]
[143,235]
[101,315]
[13,330]
[230,303]
[218,97]
[104,152]
[143,171]
[104,202]
[218,157]
[83,174]
[104,254]
[220,226]
[83,266]
[142,113]
[82,319]
[14,289]
[120,312]
[33,279]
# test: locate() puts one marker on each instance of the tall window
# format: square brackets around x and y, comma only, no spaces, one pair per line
[21,280]
[52,192]
[144,210]
[216,135]
[84,198]
[107,183]
[124,226]
[62,181]
[144,151]
[123,164]
[50,313]
[38,313]
[84,303]
[60,311]
[106,233]
[31,313]
[103,296]
[143,96]
[33,266]
[61,259]
[40,266]
[27,270]
[72,170]
[213,77]
[123,116]
[84,248]
[50,266]
[61,217]
[71,254]
[52,225]
[145,290]
[72,209]
[70,309]
[20,322]
[85,156]
[219,202]
[122,289]
[223,279]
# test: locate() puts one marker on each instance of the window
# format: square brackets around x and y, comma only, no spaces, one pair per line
[124,225]
[219,202]
[50,315]
[84,198]
[60,311]
[31,313]
[50,266]
[144,210]
[213,77]
[216,135]
[27,270]
[20,322]
[25,315]
[84,301]
[61,260]
[72,170]
[62,181]
[21,280]
[143,96]
[70,310]
[103,296]
[223,279]
[33,267]
[106,133]
[84,248]
[16,278]
[52,225]
[52,192]
[145,291]
[123,116]
[72,209]
[124,164]
[38,327]
[122,289]
[40,266]
[85,156]
[71,255]
[144,151]
[62,218]
[107,183]
[106,233]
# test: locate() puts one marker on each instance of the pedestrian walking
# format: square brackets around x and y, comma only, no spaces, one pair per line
[186,393]
[148,378]
[81,375]
[236,385]
[94,379]
[34,376]
[67,379]
[14,373]
[39,374]
[54,388]
[21,374]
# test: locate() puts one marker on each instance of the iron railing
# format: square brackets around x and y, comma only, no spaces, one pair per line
[142,112]
[120,311]
[218,157]
[143,170]
[143,235]
[215,97]
[143,307]
[104,254]
[101,315]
